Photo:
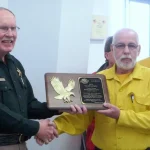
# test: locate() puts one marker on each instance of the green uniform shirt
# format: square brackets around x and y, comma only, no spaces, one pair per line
[17,101]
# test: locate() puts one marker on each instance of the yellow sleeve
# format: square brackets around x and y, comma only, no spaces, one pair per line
[139,121]
[73,124]
[145,62]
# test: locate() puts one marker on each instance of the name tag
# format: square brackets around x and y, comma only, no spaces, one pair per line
[2,79]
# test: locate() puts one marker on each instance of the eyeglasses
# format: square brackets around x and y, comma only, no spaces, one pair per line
[4,29]
[121,46]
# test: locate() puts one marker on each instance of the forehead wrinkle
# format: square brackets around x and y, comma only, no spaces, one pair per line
[6,18]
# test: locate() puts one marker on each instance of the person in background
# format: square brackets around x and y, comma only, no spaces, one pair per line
[108,55]
[126,120]
[108,63]
[145,62]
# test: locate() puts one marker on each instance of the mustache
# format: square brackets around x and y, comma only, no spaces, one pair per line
[123,57]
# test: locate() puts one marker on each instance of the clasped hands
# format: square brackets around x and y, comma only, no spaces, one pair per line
[47,132]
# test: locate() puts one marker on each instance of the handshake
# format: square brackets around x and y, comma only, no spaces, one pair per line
[47,132]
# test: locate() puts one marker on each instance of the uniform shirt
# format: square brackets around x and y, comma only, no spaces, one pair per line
[17,101]
[132,130]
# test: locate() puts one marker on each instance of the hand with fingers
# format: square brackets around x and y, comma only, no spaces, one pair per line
[76,109]
[46,132]
[111,111]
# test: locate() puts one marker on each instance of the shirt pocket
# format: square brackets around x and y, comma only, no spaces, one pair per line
[141,103]
[5,91]
[5,86]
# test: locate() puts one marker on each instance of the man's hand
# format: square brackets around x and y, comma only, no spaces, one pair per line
[39,141]
[112,111]
[76,109]
[46,132]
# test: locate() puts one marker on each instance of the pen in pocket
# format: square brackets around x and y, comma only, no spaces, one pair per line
[132,97]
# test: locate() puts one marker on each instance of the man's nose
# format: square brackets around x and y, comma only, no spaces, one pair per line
[126,49]
[9,32]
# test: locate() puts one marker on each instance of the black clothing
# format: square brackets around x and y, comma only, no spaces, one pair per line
[97,148]
[103,67]
[12,139]
[17,101]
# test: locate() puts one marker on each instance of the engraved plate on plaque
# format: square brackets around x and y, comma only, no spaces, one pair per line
[91,90]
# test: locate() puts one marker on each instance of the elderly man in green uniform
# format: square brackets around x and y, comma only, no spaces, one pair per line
[125,125]
[17,102]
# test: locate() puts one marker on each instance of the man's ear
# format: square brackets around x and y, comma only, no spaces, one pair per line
[106,55]
[139,50]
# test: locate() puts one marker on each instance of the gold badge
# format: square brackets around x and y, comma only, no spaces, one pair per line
[64,93]
[20,75]
[19,72]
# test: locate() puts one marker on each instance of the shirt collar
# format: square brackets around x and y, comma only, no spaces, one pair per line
[8,56]
[137,72]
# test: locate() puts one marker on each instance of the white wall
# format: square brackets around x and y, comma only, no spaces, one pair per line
[115,11]
[73,51]
[4,3]
[141,26]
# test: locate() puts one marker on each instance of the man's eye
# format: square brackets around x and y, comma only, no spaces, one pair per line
[132,46]
[4,28]
[120,46]
[13,28]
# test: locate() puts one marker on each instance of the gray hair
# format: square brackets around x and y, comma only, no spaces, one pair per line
[123,31]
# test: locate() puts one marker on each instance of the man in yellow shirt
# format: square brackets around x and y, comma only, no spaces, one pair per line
[125,125]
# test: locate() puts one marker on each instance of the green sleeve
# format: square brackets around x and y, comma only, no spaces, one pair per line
[13,122]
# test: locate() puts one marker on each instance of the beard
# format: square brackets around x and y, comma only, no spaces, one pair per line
[123,65]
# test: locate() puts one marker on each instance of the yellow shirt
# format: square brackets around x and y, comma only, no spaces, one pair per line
[145,62]
[132,130]
[122,77]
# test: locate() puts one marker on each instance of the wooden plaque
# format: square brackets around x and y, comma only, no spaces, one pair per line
[65,89]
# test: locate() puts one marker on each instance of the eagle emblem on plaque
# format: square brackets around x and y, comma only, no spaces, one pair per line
[64,92]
